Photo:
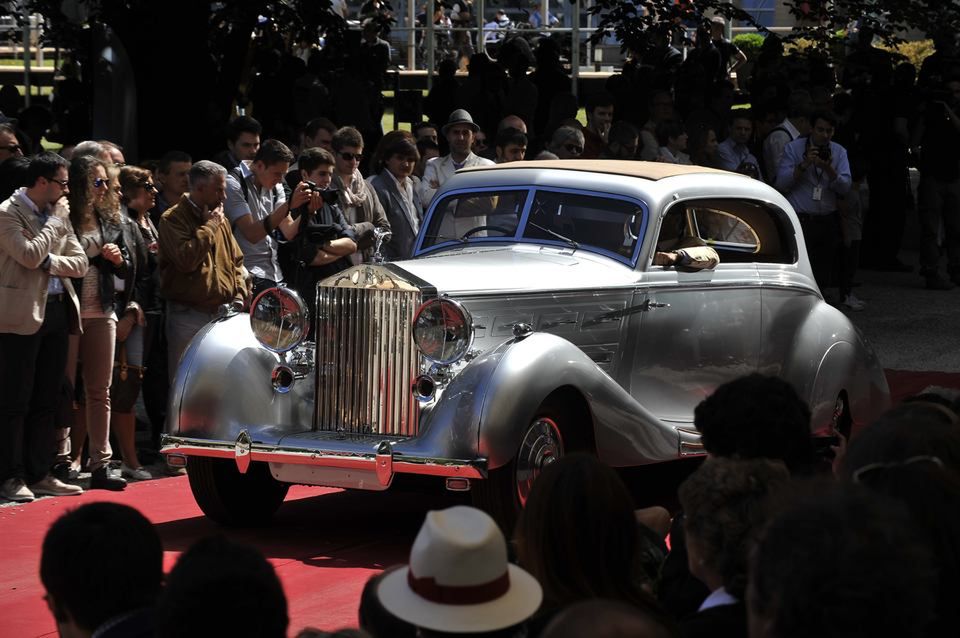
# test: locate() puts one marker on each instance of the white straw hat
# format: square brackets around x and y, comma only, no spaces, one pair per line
[458,579]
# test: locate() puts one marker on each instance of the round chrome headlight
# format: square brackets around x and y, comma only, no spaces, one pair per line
[443,330]
[279,319]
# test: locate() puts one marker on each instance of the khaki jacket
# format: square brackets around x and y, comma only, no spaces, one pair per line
[24,245]
[200,263]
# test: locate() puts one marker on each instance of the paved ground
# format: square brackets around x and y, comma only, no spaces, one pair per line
[911,328]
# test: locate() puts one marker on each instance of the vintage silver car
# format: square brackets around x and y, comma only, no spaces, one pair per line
[529,322]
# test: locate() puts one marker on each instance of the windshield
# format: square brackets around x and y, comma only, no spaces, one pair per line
[477,215]
[600,223]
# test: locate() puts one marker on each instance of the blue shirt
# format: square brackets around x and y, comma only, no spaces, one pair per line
[54,285]
[800,190]
[730,155]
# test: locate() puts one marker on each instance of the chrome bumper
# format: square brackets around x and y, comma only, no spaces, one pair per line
[382,462]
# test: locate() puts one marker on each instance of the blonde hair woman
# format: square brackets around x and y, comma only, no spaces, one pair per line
[97,228]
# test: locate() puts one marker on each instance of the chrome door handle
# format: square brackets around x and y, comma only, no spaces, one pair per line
[647,305]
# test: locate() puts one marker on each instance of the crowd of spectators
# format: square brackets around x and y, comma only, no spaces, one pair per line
[108,269]
[773,540]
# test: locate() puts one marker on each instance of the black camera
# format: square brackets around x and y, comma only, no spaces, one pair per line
[824,152]
[329,195]
[749,169]
[321,233]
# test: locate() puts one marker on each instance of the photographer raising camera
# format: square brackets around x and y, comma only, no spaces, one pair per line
[813,173]
[324,240]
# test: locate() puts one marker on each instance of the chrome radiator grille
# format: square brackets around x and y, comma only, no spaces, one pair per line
[366,360]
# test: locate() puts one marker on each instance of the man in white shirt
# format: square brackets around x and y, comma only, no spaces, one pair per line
[796,124]
[459,131]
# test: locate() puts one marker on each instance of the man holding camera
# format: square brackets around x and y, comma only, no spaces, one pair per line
[325,238]
[813,173]
[257,206]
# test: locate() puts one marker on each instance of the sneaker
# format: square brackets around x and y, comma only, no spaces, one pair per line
[16,490]
[102,480]
[936,282]
[853,304]
[139,473]
[52,486]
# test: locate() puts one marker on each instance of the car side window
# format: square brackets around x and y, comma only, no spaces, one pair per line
[739,230]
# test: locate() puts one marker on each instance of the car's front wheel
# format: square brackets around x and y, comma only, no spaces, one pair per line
[231,498]
[558,427]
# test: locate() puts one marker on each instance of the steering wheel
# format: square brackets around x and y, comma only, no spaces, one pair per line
[477,229]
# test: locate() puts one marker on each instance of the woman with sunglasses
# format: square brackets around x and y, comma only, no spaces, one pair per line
[137,330]
[566,143]
[358,201]
[98,229]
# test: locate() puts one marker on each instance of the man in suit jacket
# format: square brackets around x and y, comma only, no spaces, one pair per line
[39,253]
[459,131]
[396,187]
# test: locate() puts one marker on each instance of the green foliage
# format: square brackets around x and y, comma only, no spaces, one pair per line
[639,24]
[749,43]
[913,52]
[821,22]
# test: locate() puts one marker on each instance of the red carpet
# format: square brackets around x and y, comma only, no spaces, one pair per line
[324,543]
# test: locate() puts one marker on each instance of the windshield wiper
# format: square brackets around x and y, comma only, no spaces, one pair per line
[570,242]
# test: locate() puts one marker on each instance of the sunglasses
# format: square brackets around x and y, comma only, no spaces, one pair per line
[573,148]
[150,186]
[13,148]
[99,183]
[63,183]
[349,157]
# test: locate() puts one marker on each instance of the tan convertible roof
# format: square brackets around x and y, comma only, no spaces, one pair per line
[646,170]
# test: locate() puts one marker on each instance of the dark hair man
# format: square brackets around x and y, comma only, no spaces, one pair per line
[852,556]
[599,107]
[102,567]
[813,173]
[318,132]
[9,144]
[221,588]
[172,170]
[734,154]
[39,253]
[324,239]
[511,146]
[257,204]
[426,130]
[243,141]
[200,263]
[796,124]
[623,142]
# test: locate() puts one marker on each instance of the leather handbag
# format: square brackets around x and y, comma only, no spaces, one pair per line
[125,387]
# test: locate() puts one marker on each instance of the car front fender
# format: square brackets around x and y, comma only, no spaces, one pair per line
[223,386]
[493,399]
